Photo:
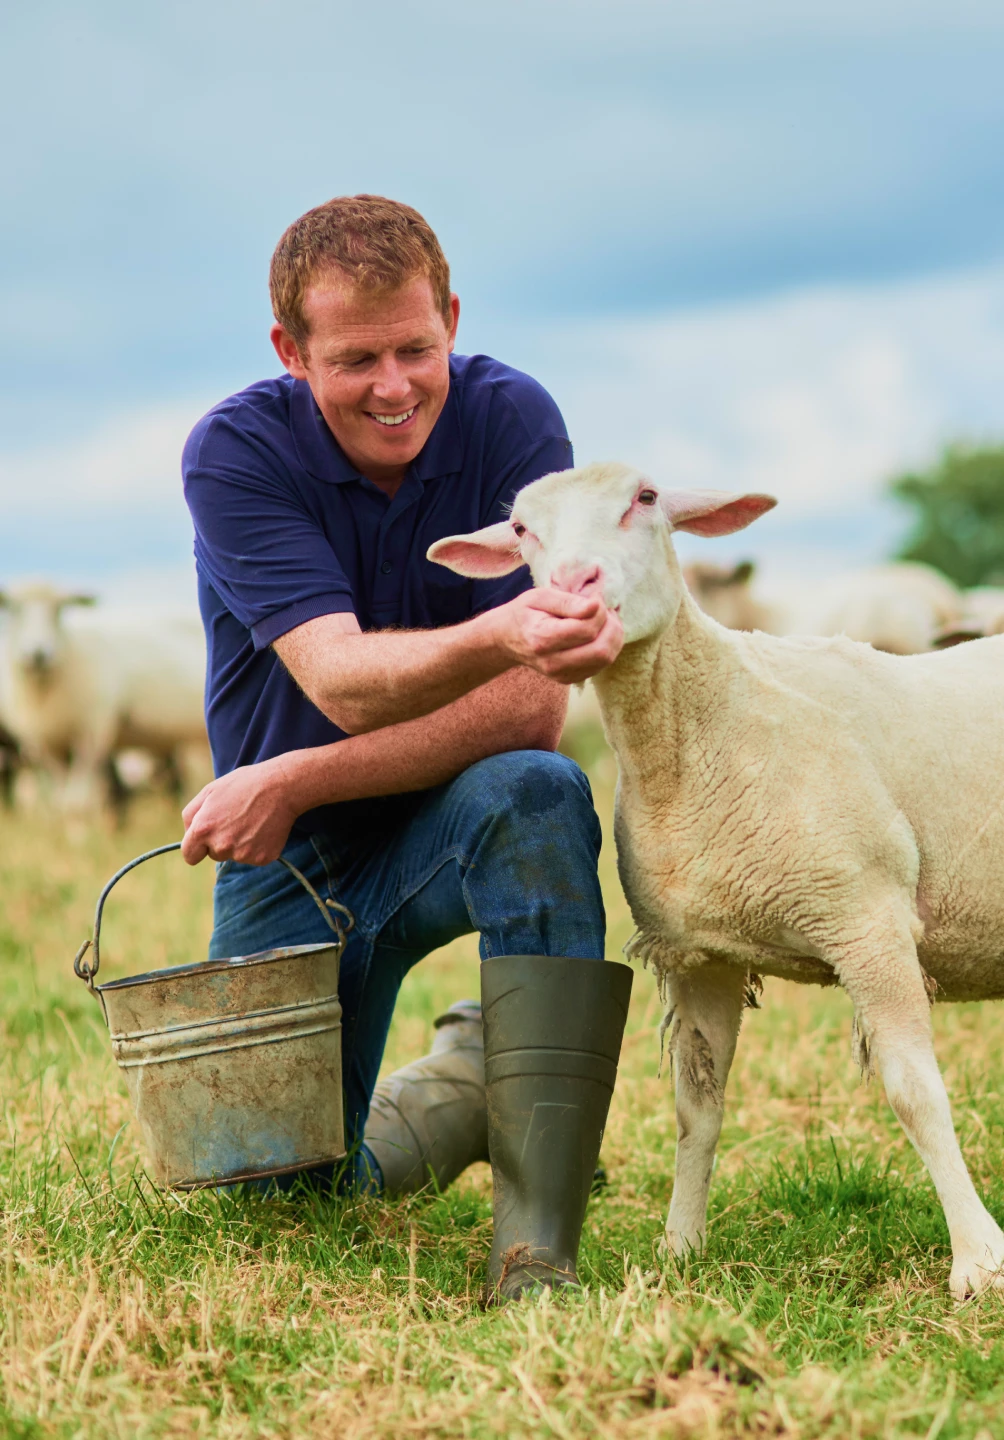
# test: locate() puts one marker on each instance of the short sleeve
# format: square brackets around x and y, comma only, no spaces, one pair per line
[256,542]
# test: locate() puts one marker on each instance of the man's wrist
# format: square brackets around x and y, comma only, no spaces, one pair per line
[296,779]
[490,630]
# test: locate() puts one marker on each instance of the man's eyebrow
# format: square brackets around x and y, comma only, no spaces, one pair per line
[349,352]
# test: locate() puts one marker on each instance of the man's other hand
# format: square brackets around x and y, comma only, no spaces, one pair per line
[566,637]
[243,816]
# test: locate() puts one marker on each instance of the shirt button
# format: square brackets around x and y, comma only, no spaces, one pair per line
[386,568]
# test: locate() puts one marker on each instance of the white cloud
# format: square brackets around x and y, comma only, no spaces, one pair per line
[583,155]
[131,461]
[108,503]
[817,397]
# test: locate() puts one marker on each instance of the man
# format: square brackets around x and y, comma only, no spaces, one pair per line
[384,724]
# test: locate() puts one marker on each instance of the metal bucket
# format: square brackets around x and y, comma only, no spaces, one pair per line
[233,1067]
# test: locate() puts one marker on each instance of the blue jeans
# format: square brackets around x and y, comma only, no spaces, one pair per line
[509,849]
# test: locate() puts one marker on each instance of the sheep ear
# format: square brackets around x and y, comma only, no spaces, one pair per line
[713,512]
[482,555]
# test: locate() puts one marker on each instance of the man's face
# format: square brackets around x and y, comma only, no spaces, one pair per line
[378,367]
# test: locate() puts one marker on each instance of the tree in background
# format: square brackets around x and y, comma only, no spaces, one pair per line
[958,515]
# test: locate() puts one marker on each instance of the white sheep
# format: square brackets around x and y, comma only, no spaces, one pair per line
[900,608]
[982,614]
[984,608]
[74,695]
[808,808]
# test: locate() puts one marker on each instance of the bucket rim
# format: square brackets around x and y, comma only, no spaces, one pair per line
[211,967]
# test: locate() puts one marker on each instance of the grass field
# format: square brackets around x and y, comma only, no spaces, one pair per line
[820,1307]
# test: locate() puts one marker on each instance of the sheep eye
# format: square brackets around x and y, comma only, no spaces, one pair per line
[520,530]
[647,497]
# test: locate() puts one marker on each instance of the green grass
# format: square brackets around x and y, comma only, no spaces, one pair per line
[819,1308]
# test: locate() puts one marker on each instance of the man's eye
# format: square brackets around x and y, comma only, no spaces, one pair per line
[647,497]
[520,530]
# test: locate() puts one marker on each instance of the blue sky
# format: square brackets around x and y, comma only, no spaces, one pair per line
[605,178]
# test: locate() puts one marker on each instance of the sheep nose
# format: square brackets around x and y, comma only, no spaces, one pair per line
[576,579]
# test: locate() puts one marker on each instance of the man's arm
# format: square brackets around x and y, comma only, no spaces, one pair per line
[363,682]
[247,815]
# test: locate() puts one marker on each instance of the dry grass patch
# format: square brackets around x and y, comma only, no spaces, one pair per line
[820,1308]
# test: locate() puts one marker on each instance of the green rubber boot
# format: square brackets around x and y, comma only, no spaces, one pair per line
[553,1029]
[427,1121]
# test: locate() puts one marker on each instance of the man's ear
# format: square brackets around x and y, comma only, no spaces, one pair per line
[482,555]
[713,512]
[288,351]
[454,321]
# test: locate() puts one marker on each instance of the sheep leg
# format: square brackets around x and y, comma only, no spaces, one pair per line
[893,1021]
[85,791]
[9,762]
[116,793]
[84,788]
[705,1011]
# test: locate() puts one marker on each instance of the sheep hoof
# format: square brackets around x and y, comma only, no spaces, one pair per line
[678,1244]
[979,1267]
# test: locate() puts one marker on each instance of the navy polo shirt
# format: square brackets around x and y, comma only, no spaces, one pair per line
[286,529]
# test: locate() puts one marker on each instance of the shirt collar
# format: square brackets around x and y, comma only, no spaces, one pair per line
[323,457]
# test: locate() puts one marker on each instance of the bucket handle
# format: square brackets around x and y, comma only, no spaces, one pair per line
[87,972]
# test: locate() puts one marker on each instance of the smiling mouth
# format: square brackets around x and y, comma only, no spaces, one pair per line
[392,420]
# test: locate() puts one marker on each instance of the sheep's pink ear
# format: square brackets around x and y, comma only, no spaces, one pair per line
[713,512]
[482,555]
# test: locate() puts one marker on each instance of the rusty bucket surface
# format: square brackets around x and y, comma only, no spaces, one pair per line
[233,1067]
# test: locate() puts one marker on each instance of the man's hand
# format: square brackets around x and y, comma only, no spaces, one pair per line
[566,637]
[246,816]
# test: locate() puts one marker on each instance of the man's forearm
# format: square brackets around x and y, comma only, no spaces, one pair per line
[366,682]
[388,676]
[519,710]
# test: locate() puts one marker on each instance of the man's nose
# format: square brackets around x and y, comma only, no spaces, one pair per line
[577,579]
[391,382]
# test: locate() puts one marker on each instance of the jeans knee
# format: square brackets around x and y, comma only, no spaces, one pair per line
[537,783]
[537,795]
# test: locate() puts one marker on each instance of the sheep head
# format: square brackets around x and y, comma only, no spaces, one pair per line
[34,631]
[602,529]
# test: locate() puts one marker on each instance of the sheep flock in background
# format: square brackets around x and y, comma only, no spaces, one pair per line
[96,701]
[98,704]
